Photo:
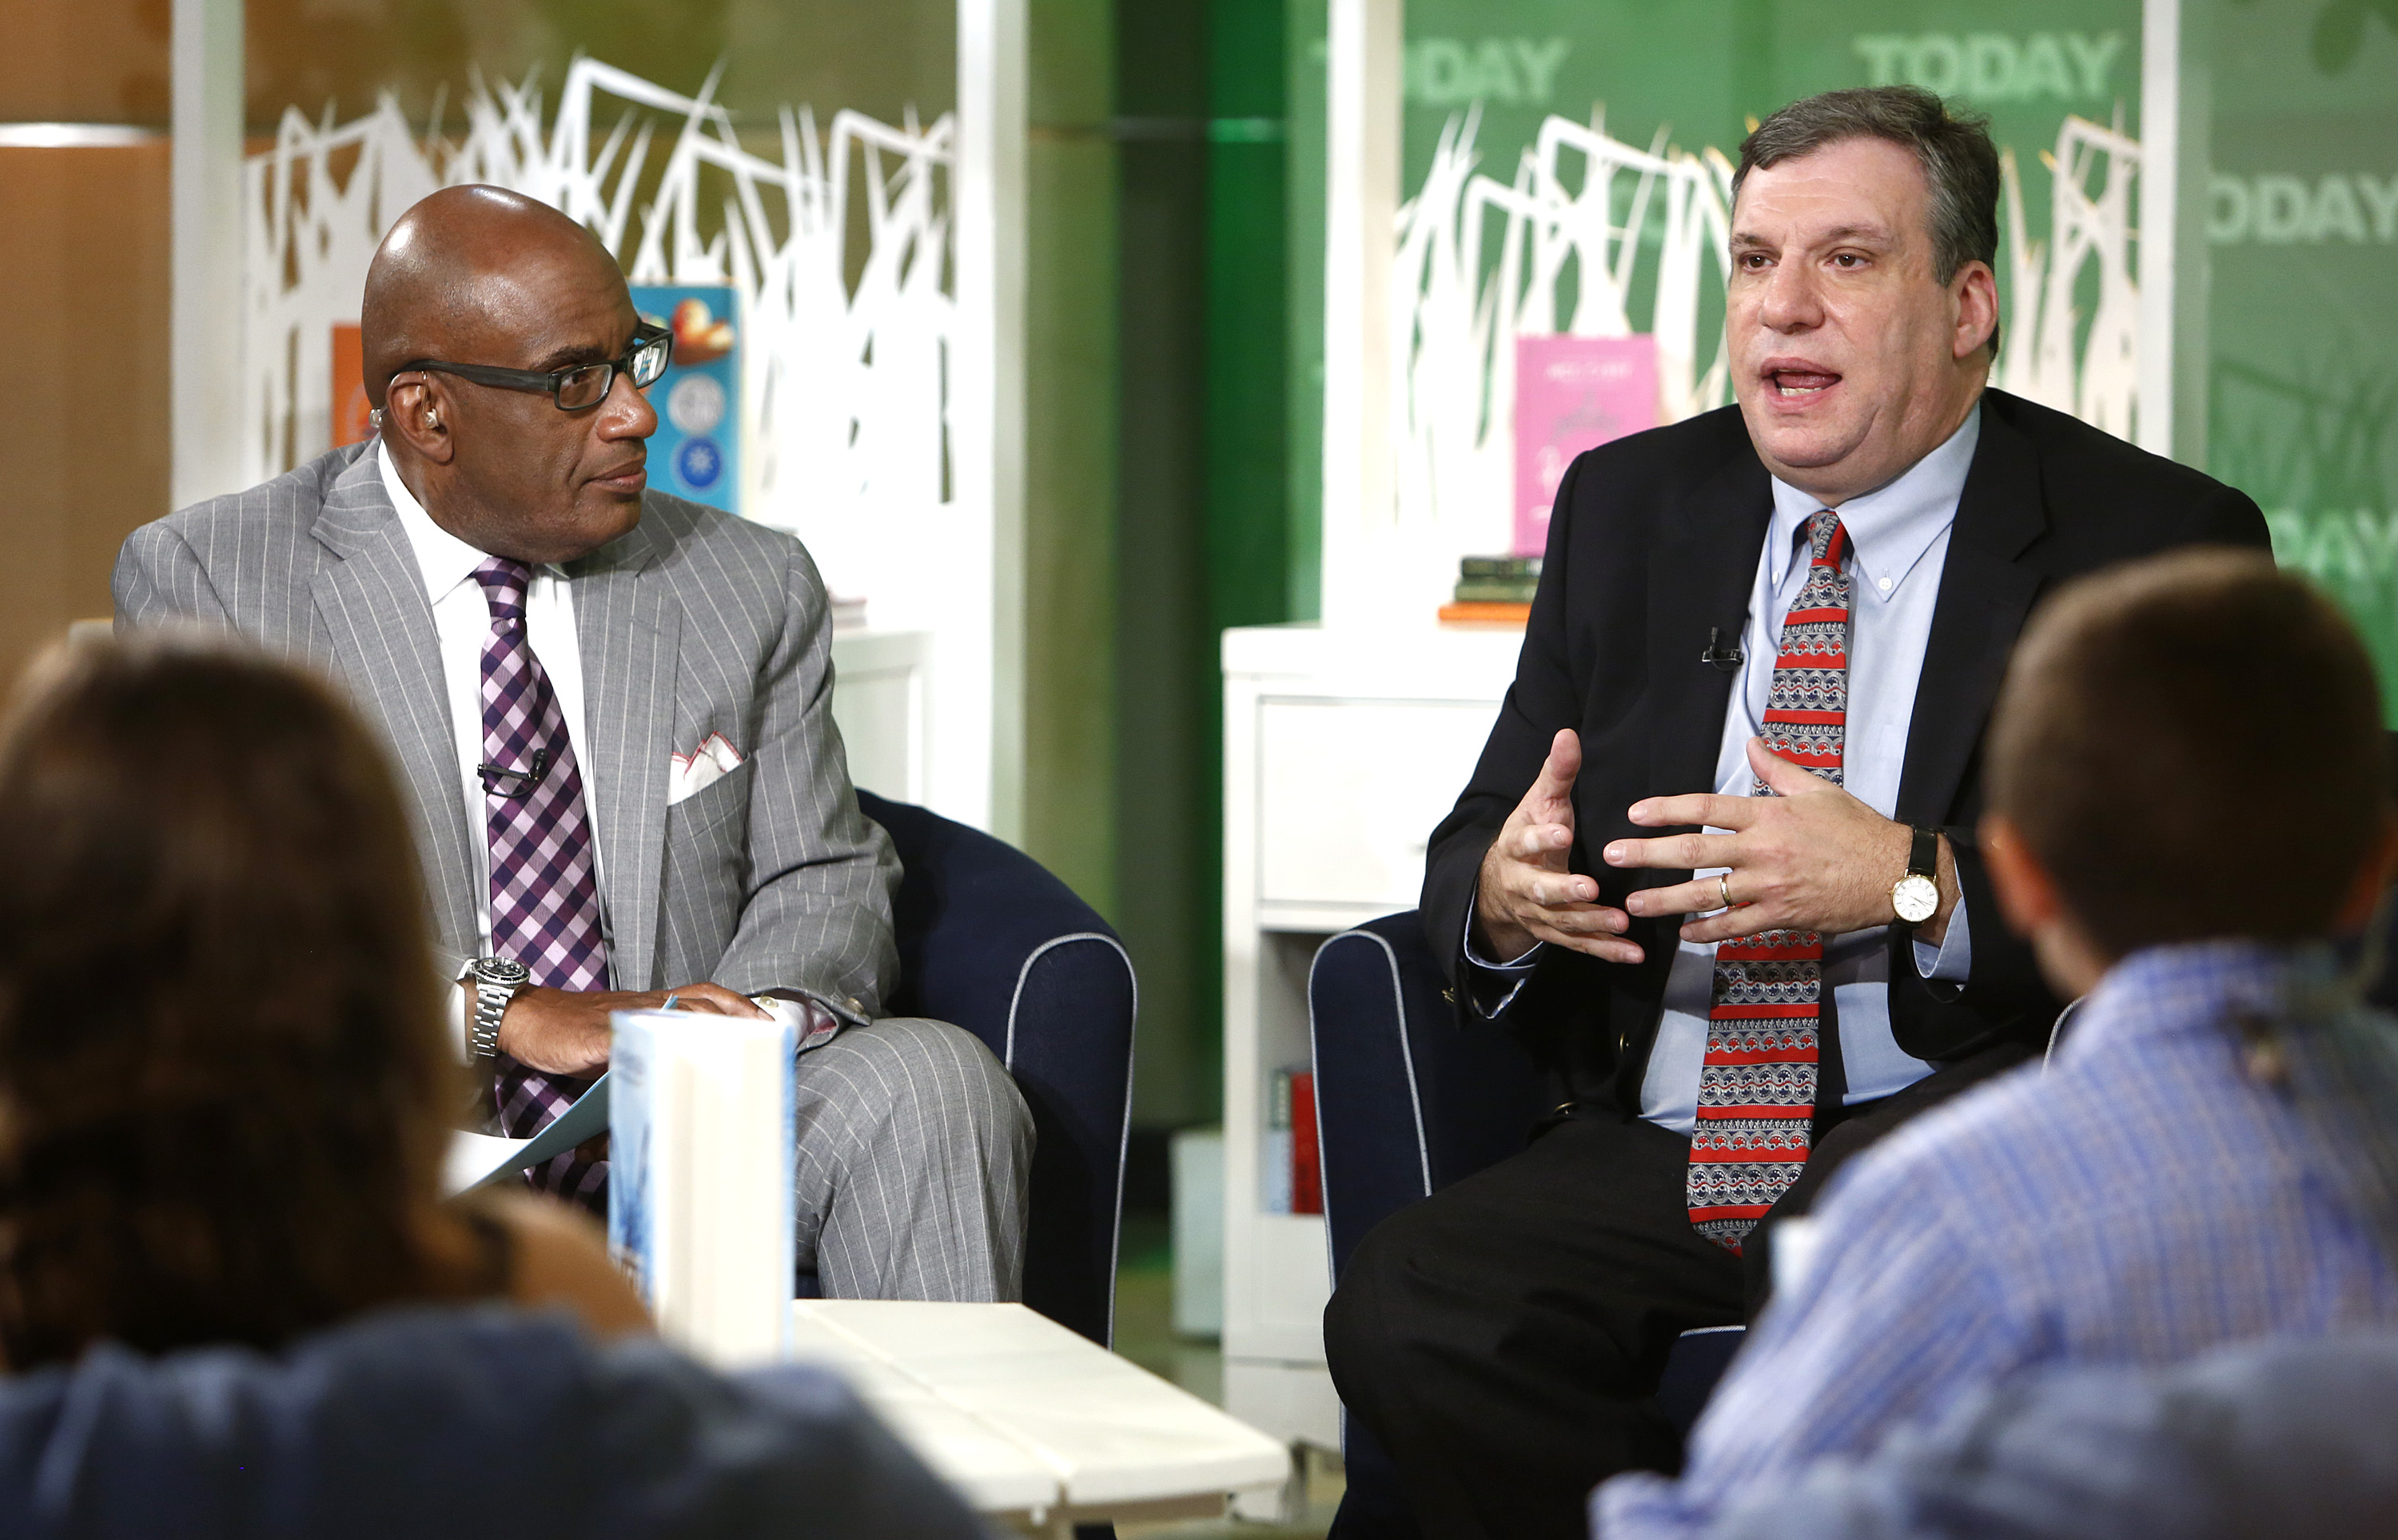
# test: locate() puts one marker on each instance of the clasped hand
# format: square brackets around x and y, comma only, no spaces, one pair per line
[566,1032]
[1810,858]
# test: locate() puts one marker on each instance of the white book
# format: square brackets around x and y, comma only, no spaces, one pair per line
[700,1201]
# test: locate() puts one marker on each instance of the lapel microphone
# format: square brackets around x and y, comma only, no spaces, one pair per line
[532,777]
[1727,659]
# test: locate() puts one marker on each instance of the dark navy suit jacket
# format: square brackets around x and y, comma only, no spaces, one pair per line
[1653,548]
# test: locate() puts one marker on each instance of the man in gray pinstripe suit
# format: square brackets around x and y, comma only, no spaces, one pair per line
[533,628]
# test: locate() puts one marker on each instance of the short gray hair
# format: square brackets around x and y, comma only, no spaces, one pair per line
[1960,162]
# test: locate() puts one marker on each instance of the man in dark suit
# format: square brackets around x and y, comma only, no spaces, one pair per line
[1716,865]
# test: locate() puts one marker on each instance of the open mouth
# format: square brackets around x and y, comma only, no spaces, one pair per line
[1798,384]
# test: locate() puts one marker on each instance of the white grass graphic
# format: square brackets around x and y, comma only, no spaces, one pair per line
[1480,263]
[844,391]
[2098,379]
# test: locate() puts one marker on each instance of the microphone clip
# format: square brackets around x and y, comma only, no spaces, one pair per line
[1727,659]
[531,778]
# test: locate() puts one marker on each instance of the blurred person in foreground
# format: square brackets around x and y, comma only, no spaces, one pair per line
[612,714]
[2260,1440]
[2190,809]
[233,1301]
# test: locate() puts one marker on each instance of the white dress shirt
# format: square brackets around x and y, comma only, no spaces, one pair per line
[1898,536]
[462,623]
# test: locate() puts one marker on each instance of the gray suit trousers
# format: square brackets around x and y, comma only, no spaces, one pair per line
[914,1152]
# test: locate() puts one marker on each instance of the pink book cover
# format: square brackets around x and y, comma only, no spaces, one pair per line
[1573,393]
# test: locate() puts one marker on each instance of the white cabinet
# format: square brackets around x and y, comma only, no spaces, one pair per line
[1341,751]
[881,688]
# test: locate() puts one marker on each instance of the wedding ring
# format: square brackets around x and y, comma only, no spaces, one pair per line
[1723,886]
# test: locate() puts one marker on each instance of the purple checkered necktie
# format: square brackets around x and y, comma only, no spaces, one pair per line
[544,889]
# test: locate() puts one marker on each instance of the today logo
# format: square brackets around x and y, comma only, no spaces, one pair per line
[2278,209]
[1450,71]
[2338,548]
[1989,66]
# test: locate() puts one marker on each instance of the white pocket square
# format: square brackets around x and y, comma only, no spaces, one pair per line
[687,775]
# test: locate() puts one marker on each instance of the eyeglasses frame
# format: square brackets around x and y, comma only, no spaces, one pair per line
[549,382]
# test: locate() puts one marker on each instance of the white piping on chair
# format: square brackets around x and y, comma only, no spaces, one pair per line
[1407,1056]
[1132,1049]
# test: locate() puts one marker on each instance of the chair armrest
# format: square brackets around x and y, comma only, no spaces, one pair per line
[1407,1099]
[1369,1109]
[992,940]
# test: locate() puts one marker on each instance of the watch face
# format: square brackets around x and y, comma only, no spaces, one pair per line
[501,971]
[1915,897]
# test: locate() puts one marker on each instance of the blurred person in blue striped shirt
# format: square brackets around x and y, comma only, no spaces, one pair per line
[2257,1441]
[2191,808]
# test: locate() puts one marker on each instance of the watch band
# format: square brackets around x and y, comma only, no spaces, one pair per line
[497,981]
[490,1004]
[1915,897]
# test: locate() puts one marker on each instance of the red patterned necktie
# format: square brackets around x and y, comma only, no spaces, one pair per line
[1756,1085]
[544,889]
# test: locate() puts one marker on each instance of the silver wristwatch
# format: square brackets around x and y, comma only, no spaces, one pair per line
[497,981]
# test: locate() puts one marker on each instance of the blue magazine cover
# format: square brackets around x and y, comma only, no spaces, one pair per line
[631,1173]
[696,451]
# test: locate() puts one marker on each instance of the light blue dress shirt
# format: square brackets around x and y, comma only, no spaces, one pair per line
[2256,1441]
[1899,539]
[2143,1198]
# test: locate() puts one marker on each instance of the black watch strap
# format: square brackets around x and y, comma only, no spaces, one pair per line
[1923,859]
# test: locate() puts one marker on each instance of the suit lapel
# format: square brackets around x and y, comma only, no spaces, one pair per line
[629,628]
[1704,572]
[1984,594]
[374,607]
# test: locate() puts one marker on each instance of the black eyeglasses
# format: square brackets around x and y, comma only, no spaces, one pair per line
[579,385]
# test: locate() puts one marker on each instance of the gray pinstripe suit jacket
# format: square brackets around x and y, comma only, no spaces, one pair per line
[694,622]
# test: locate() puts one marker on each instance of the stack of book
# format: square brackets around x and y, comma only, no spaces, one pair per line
[1494,589]
[701,1199]
[1290,1165]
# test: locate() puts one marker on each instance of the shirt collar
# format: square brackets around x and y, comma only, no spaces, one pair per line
[2188,987]
[444,559]
[1891,527]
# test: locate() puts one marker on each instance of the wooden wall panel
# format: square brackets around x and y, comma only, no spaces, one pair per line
[83,395]
[85,62]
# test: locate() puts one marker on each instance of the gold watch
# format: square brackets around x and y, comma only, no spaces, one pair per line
[1915,897]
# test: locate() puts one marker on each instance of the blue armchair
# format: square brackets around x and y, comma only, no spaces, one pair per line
[989,940]
[1408,1100]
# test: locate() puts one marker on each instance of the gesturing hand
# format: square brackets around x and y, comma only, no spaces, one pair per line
[1526,893]
[563,1032]
[1812,858]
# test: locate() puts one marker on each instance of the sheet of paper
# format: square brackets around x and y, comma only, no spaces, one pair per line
[476,1159]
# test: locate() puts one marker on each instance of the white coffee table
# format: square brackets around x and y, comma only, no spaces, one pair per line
[1034,1425]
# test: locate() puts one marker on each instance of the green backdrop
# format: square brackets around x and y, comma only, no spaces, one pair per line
[2301,245]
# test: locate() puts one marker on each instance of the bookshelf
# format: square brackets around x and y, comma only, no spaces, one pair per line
[1343,749]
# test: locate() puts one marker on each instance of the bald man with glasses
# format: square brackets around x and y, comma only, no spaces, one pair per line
[611,710]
